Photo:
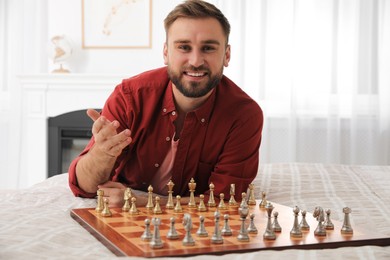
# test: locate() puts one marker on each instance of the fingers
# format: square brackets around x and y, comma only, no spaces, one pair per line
[93,114]
[114,192]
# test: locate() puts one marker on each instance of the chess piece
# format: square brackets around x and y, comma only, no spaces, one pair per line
[191,187]
[263,201]
[319,215]
[232,200]
[187,222]
[100,202]
[126,198]
[147,235]
[328,223]
[217,236]
[226,230]
[252,228]
[150,205]
[157,207]
[304,225]
[170,204]
[172,233]
[251,199]
[106,210]
[201,206]
[211,202]
[346,228]
[296,230]
[156,241]
[275,225]
[133,209]
[269,233]
[221,205]
[178,207]
[243,211]
[201,232]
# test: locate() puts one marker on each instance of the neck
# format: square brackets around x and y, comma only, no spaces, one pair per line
[186,104]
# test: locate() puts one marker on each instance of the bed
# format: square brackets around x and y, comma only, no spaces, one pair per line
[36,223]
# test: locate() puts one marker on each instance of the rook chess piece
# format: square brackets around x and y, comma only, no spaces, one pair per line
[275,225]
[187,222]
[328,223]
[201,232]
[243,211]
[156,241]
[100,202]
[319,215]
[232,200]
[211,202]
[201,206]
[269,233]
[126,198]
[304,225]
[217,236]
[170,204]
[346,228]
[251,199]
[191,187]
[226,231]
[296,230]
[106,210]
[172,233]
[147,235]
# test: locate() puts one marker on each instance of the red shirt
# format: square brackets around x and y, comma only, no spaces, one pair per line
[219,142]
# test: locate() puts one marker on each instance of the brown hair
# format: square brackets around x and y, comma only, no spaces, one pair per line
[197,9]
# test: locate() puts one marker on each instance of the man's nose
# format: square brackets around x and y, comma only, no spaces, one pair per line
[196,59]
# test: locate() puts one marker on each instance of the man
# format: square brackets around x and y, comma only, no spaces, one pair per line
[186,120]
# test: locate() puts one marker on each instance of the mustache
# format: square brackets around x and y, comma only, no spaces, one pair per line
[196,69]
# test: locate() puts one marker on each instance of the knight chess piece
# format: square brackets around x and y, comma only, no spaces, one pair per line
[187,222]
[252,198]
[100,202]
[191,187]
[232,200]
[319,215]
[147,235]
[304,225]
[106,210]
[347,228]
[156,241]
[170,204]
[226,230]
[217,236]
[328,222]
[172,233]
[296,230]
[243,211]
[211,202]
[202,232]
[201,206]
[150,205]
[269,233]
[275,224]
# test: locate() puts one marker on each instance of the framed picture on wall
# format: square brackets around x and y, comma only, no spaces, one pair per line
[116,24]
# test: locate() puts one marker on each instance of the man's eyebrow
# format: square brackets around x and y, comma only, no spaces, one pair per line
[203,42]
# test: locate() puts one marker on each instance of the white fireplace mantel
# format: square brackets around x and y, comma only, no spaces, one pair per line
[49,95]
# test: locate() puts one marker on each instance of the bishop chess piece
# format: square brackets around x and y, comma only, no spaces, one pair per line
[232,200]
[222,205]
[243,212]
[147,235]
[126,198]
[217,236]
[304,225]
[296,230]
[157,207]
[269,233]
[172,233]
[201,206]
[275,224]
[347,228]
[226,230]
[133,209]
[170,204]
[252,228]
[187,222]
[211,202]
[99,202]
[178,208]
[251,199]
[106,210]
[201,232]
[150,205]
[319,215]
[191,187]
[263,201]
[156,241]
[328,222]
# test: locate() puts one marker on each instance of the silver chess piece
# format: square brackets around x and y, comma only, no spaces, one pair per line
[187,222]
[156,241]
[147,235]
[319,215]
[296,230]
[347,228]
[275,224]
[172,233]
[252,228]
[243,212]
[269,233]
[217,236]
[201,232]
[328,222]
[226,230]
[304,225]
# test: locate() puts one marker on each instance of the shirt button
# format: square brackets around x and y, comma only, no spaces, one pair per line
[168,139]
[203,120]
[173,113]
[164,110]
[156,165]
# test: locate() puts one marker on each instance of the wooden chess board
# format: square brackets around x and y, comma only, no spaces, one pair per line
[121,232]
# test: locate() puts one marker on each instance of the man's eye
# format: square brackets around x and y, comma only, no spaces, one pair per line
[184,47]
[208,48]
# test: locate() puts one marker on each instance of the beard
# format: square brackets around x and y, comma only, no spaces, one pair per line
[195,89]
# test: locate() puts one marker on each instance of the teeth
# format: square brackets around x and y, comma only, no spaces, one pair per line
[194,74]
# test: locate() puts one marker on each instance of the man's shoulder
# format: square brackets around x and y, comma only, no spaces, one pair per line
[151,79]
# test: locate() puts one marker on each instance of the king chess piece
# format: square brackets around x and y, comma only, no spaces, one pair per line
[191,187]
[269,233]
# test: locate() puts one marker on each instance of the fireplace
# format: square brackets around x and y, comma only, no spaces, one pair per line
[68,134]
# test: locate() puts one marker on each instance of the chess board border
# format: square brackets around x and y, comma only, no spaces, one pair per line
[114,241]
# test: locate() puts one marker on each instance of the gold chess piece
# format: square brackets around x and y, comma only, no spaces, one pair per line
[126,198]
[106,210]
[191,187]
[251,199]
[100,202]
[150,205]
[157,208]
[133,210]
[211,202]
[201,206]
[263,202]
[232,200]
[170,204]
[221,204]
[178,207]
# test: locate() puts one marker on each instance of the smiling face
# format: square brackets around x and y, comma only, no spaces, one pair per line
[195,53]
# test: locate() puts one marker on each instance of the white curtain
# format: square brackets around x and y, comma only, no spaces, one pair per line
[320,69]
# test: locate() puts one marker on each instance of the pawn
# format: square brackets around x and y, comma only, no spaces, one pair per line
[226,230]
[263,201]
[328,223]
[178,207]
[221,204]
[296,230]
[201,206]
[133,209]
[201,232]
[304,225]
[150,205]
[211,202]
[172,233]
[147,235]
[275,224]
[157,208]
[252,228]
[106,210]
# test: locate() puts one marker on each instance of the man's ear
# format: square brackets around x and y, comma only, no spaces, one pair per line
[226,59]
[165,53]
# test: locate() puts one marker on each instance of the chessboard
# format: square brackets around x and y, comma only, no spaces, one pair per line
[121,232]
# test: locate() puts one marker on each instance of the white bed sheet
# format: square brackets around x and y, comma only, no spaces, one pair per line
[35,222]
